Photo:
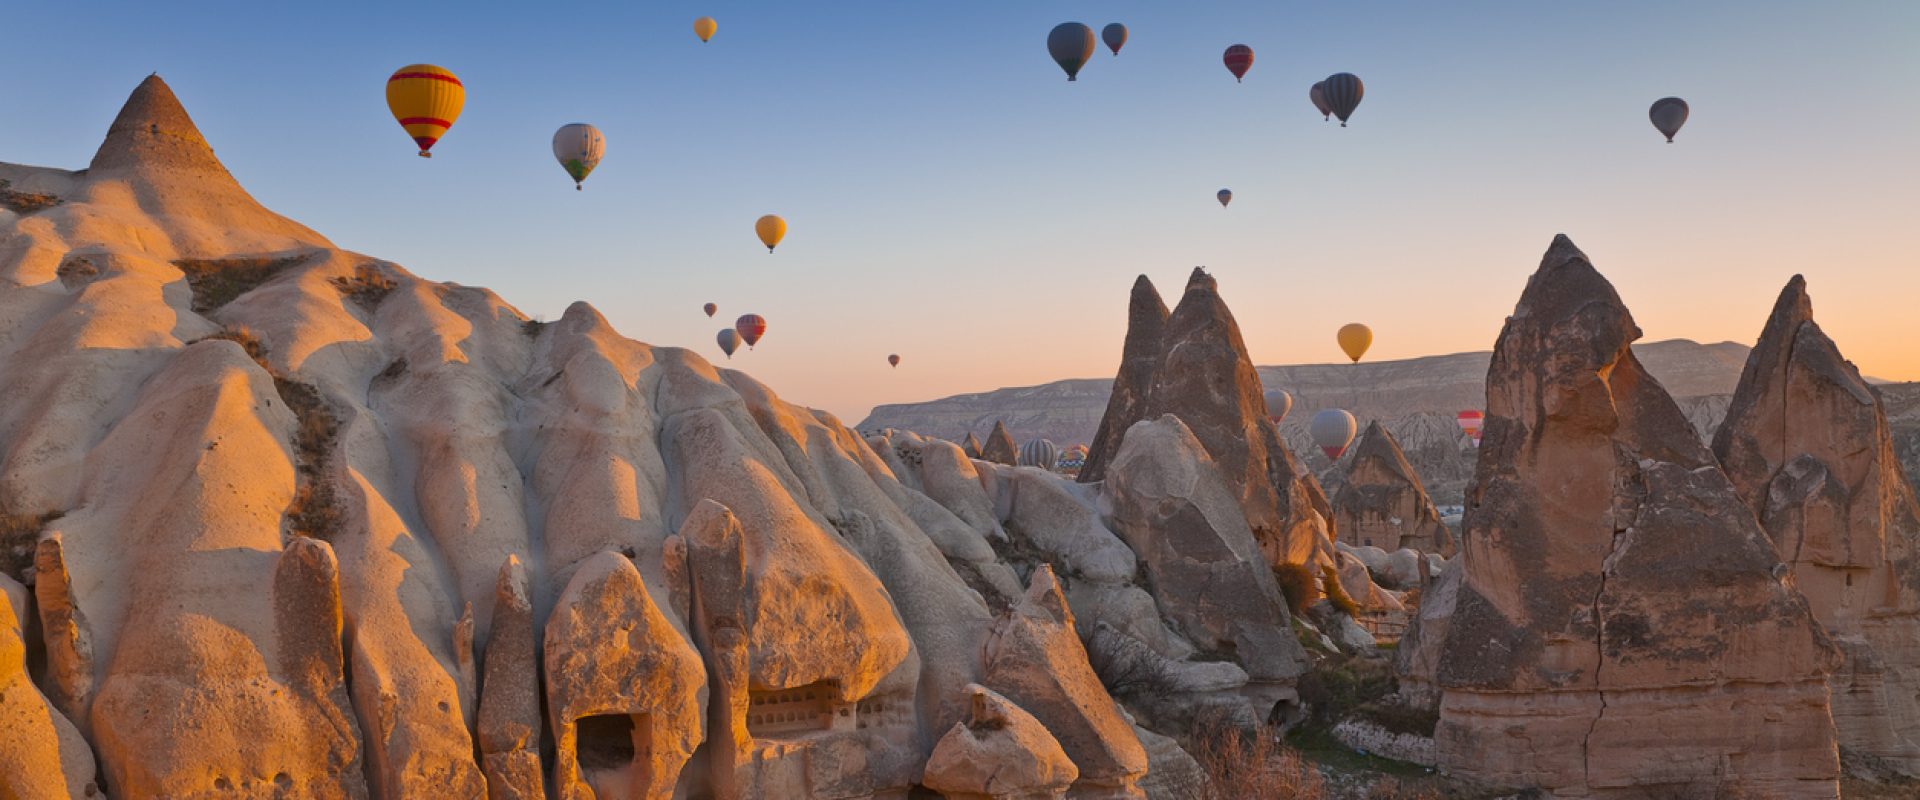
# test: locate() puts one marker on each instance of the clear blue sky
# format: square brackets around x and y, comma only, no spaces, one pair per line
[955,200]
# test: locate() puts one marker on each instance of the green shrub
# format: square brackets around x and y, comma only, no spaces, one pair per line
[1296,582]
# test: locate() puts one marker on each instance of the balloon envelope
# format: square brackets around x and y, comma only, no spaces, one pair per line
[710,309]
[1039,453]
[751,328]
[1471,423]
[1278,404]
[1318,95]
[425,100]
[1070,44]
[729,341]
[1225,195]
[578,147]
[1342,91]
[1354,339]
[1239,59]
[1333,430]
[1115,35]
[771,229]
[704,28]
[893,360]
[1668,114]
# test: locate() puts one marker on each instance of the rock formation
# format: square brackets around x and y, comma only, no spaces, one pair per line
[1382,503]
[1000,448]
[304,524]
[999,752]
[970,446]
[1619,629]
[1806,442]
[1192,364]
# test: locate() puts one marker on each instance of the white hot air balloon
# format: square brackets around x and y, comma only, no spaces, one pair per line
[1333,430]
[578,147]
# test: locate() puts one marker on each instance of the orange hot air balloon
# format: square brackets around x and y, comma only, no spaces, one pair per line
[704,28]
[751,328]
[1354,339]
[710,309]
[893,360]
[425,100]
[771,229]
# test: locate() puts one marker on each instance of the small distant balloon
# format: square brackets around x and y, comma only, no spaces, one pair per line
[710,309]
[425,100]
[1342,91]
[771,229]
[1225,196]
[704,28]
[1333,430]
[1354,340]
[1039,453]
[578,147]
[1318,94]
[1668,114]
[1470,423]
[1115,35]
[751,327]
[1239,59]
[729,341]
[1070,44]
[1279,402]
[893,360]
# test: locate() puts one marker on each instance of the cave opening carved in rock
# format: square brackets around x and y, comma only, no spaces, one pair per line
[613,753]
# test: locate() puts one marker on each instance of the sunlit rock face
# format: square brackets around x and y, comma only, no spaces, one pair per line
[1620,628]
[287,520]
[1806,442]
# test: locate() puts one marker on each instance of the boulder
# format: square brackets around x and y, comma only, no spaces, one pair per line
[1806,442]
[1619,629]
[1199,371]
[1382,502]
[999,752]
[999,447]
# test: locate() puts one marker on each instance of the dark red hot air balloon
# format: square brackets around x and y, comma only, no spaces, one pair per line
[710,309]
[1239,59]
[893,360]
[751,328]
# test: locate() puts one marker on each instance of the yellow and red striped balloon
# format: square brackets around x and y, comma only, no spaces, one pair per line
[425,100]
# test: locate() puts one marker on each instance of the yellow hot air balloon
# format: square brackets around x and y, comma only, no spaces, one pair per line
[704,28]
[771,229]
[426,100]
[1355,338]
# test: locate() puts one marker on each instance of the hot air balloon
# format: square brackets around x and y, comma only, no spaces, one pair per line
[771,229]
[1318,94]
[751,328]
[1355,338]
[426,100]
[1039,453]
[1115,35]
[1342,91]
[1239,59]
[710,309]
[1470,422]
[704,28]
[1070,44]
[893,360]
[1668,114]
[1278,404]
[729,341]
[578,147]
[1225,196]
[1333,430]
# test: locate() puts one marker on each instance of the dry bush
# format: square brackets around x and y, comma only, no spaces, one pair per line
[366,287]
[315,511]
[1337,594]
[1240,766]
[243,336]
[219,281]
[24,203]
[19,535]
[1296,582]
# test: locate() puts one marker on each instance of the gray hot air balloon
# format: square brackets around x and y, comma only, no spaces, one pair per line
[1342,91]
[1225,196]
[1039,453]
[1278,404]
[1115,35]
[729,341]
[1333,430]
[1668,114]
[1318,95]
[1070,44]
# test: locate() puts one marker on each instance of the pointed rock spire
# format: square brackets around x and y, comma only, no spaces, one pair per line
[1139,357]
[1382,501]
[1000,448]
[1605,559]
[153,130]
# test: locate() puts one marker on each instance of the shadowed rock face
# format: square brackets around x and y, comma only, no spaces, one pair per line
[1193,364]
[1000,448]
[1618,628]
[1806,442]
[1382,502]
